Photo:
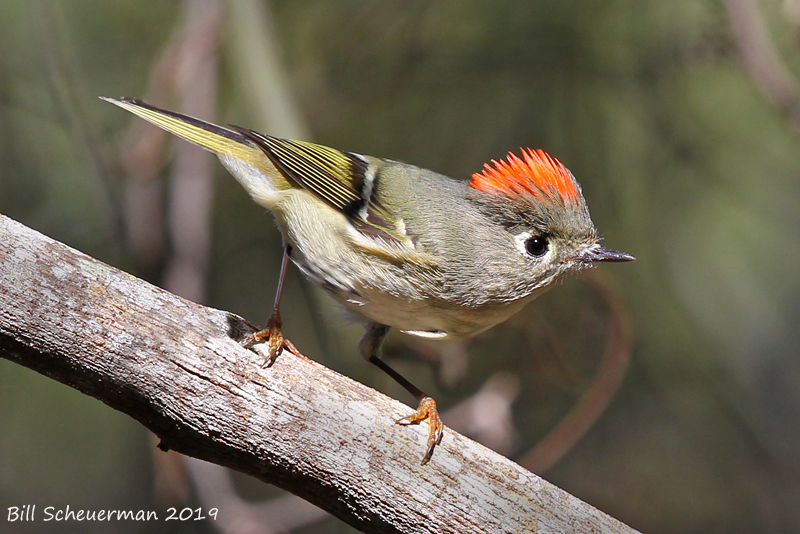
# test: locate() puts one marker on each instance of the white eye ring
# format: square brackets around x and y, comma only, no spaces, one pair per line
[521,241]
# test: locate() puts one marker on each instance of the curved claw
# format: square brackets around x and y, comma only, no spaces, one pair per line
[272,335]
[427,410]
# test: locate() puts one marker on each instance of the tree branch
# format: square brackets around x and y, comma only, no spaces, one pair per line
[177,368]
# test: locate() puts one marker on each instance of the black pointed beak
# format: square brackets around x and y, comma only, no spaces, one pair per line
[599,253]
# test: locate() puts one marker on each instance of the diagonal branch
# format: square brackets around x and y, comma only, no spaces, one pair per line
[176,367]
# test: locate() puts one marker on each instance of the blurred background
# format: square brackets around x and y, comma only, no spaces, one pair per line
[665,392]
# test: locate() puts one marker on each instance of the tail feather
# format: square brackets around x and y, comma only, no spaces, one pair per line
[217,139]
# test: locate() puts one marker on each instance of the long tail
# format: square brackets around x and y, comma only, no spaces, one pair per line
[204,134]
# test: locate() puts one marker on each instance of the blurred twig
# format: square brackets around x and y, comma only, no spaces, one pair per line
[487,415]
[191,183]
[186,71]
[598,395]
[762,60]
[283,514]
[260,71]
[65,87]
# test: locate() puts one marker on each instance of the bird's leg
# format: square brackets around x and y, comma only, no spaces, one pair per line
[272,334]
[370,348]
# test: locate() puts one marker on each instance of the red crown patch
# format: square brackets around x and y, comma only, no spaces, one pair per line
[537,174]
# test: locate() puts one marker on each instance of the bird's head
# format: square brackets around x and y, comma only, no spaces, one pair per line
[539,208]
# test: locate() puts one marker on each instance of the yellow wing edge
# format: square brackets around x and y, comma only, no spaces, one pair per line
[203,134]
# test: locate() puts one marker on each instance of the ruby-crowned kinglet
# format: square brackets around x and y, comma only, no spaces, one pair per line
[402,246]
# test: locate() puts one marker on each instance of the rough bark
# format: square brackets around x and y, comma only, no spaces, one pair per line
[176,367]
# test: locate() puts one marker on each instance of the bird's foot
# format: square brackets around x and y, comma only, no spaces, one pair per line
[272,335]
[427,411]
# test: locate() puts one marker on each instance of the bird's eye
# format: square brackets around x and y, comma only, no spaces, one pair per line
[536,245]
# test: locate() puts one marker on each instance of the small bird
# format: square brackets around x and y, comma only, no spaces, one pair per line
[402,246]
